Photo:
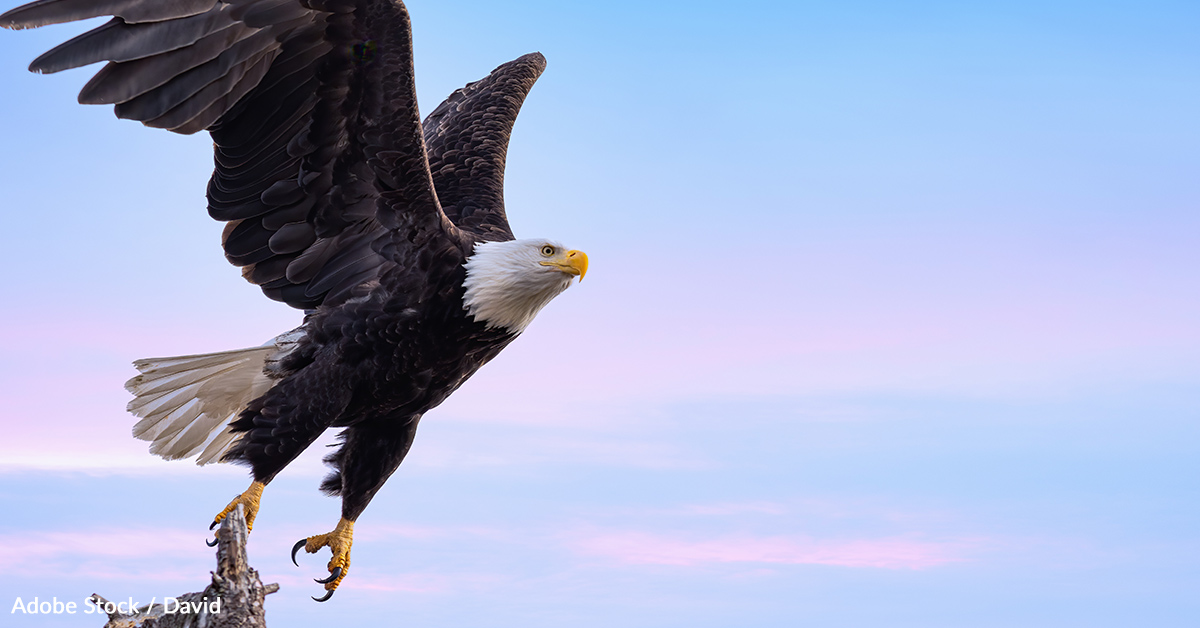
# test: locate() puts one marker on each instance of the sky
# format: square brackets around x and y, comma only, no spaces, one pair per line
[892,319]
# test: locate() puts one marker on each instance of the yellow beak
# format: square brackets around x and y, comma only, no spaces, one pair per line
[572,263]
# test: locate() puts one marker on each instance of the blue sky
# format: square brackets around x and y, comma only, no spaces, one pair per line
[891,321]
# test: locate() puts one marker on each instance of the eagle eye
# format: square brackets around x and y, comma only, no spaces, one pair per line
[547,250]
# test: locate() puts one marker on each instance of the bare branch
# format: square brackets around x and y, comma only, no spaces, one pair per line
[233,600]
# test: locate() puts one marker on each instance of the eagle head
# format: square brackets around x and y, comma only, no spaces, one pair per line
[509,282]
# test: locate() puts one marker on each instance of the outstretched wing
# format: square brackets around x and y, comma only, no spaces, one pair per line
[321,169]
[467,138]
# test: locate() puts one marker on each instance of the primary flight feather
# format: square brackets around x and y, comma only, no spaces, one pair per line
[391,234]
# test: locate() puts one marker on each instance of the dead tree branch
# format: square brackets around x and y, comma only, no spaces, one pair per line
[233,600]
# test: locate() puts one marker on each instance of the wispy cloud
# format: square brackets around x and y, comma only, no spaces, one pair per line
[530,449]
[424,582]
[102,554]
[734,508]
[645,548]
[380,532]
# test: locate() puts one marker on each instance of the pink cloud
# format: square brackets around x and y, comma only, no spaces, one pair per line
[389,532]
[103,554]
[641,548]
[424,582]
[100,544]
[734,508]
[567,445]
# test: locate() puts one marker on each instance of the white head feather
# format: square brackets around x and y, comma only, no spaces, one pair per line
[508,283]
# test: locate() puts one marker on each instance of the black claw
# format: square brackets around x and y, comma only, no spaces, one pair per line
[296,548]
[337,573]
[325,598]
[212,543]
[215,523]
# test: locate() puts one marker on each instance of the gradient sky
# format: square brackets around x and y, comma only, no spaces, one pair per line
[893,319]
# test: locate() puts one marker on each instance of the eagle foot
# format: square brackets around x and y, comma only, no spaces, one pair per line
[249,501]
[338,542]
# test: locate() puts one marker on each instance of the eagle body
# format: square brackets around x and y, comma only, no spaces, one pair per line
[374,365]
[389,232]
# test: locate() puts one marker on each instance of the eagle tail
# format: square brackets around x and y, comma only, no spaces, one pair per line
[186,403]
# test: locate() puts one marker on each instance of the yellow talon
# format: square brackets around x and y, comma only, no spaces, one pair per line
[338,542]
[249,501]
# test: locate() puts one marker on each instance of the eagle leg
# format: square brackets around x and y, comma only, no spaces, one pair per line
[249,501]
[338,542]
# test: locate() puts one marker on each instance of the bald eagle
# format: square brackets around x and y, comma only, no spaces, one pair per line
[388,232]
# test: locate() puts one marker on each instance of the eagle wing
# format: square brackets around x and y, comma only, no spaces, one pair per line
[467,138]
[322,174]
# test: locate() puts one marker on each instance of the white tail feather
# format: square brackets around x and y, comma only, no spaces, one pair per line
[186,403]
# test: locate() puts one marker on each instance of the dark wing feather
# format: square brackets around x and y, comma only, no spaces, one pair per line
[45,12]
[321,170]
[121,41]
[467,137]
